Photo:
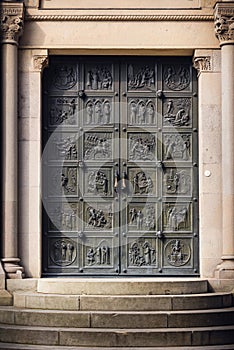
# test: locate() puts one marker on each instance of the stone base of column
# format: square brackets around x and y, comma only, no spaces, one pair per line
[2,277]
[225,270]
[12,268]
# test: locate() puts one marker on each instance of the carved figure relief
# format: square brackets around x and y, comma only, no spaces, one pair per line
[176,217]
[141,112]
[62,111]
[141,253]
[99,78]
[177,182]
[177,147]
[69,181]
[142,184]
[98,112]
[100,255]
[138,78]
[97,146]
[141,147]
[97,182]
[65,217]
[99,218]
[177,252]
[66,148]
[176,77]
[63,252]
[64,77]
[177,112]
[142,218]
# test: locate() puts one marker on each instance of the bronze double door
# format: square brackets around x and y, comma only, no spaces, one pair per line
[120,169]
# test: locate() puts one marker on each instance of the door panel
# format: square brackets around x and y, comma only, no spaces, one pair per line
[120,169]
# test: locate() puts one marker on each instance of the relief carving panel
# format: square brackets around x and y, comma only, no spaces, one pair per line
[177,252]
[177,181]
[98,111]
[141,217]
[98,216]
[143,182]
[62,111]
[176,77]
[99,182]
[99,78]
[177,147]
[63,251]
[64,77]
[65,146]
[141,146]
[142,252]
[141,112]
[97,146]
[141,77]
[177,217]
[64,216]
[62,181]
[99,255]
[177,112]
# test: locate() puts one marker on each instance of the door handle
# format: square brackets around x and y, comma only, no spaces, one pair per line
[116,180]
[124,180]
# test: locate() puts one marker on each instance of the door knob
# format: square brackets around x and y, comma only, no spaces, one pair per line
[159,94]
[161,165]
[159,234]
[82,94]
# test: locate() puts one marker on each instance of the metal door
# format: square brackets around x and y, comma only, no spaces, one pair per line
[120,168]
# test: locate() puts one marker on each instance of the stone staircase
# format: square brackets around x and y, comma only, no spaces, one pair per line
[118,313]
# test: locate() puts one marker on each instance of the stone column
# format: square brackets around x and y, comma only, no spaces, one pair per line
[208,65]
[224,30]
[31,65]
[11,24]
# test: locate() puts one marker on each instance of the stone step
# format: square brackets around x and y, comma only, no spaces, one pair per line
[8,346]
[119,286]
[87,337]
[34,300]
[6,298]
[118,319]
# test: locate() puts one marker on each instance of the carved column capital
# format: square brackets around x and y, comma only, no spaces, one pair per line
[11,21]
[40,62]
[202,63]
[224,22]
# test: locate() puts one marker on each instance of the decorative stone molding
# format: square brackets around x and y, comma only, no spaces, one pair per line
[116,18]
[40,62]
[11,21]
[224,22]
[12,268]
[202,63]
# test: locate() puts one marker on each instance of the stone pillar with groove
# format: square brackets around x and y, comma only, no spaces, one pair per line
[11,26]
[224,30]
